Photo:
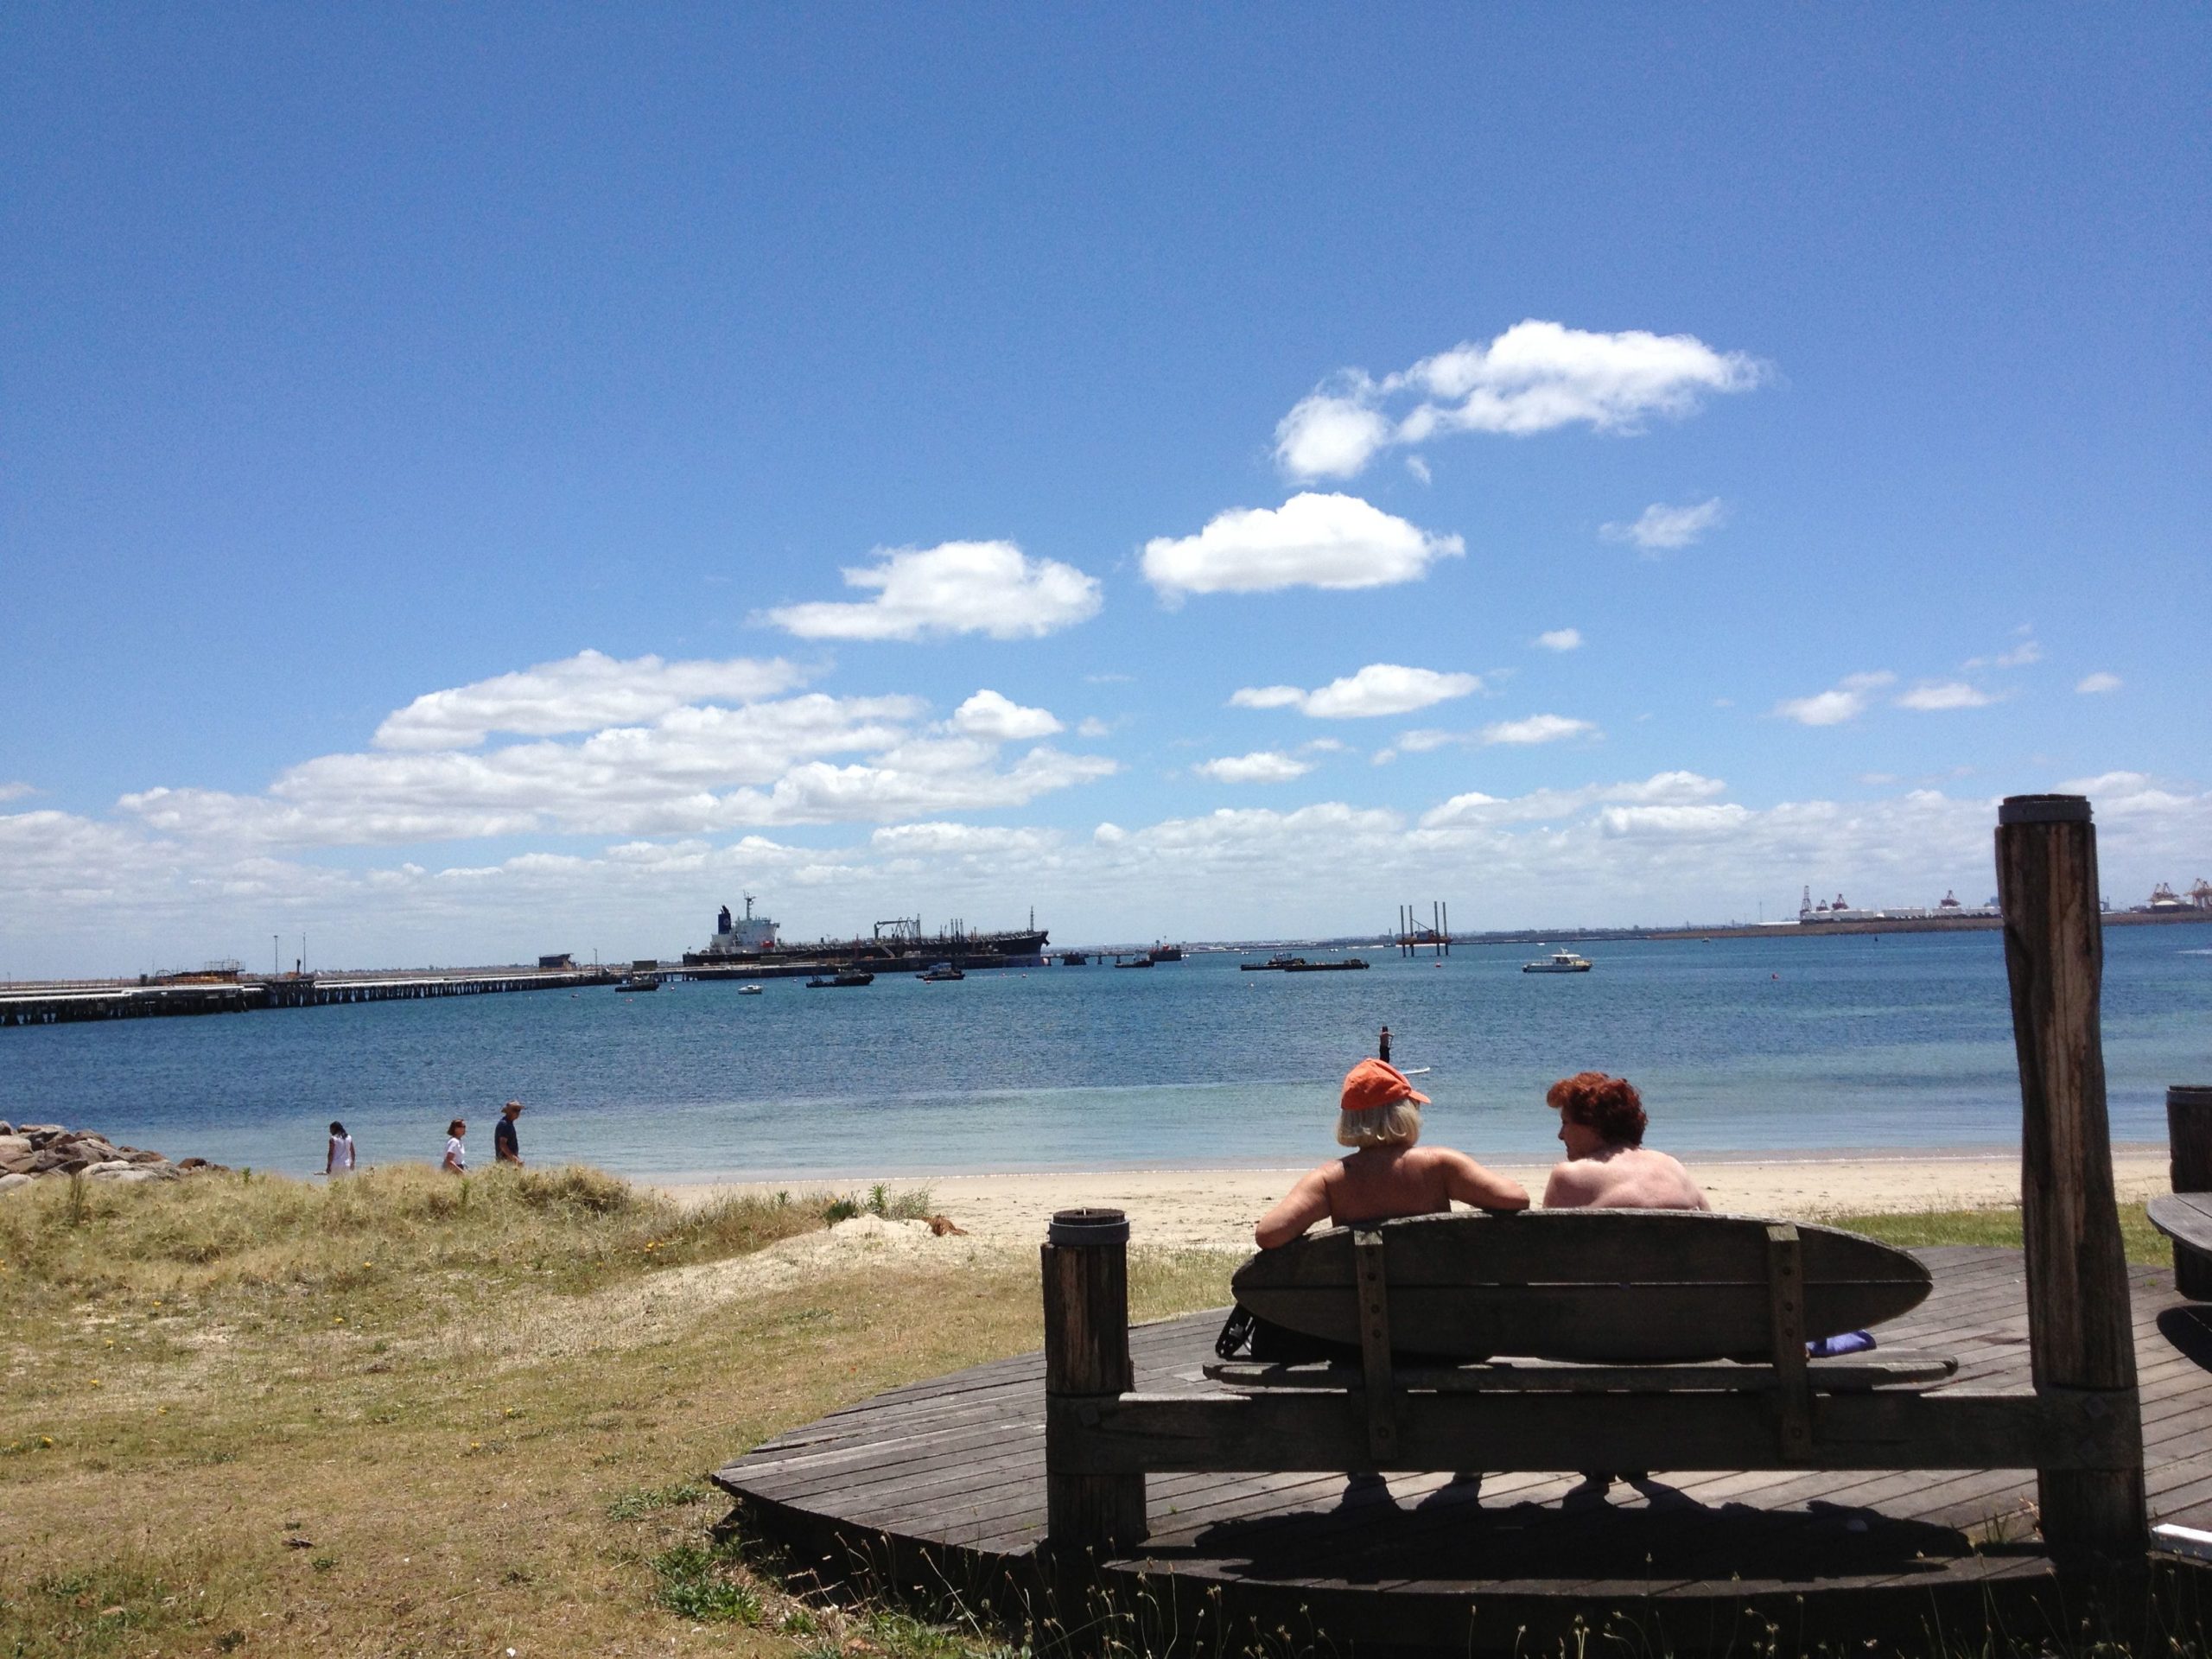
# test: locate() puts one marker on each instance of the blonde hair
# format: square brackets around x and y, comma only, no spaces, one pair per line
[1397,1124]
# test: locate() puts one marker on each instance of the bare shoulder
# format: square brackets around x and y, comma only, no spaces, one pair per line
[1567,1185]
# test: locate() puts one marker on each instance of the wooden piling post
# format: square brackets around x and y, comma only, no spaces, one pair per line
[2189,1149]
[2080,1324]
[1086,1357]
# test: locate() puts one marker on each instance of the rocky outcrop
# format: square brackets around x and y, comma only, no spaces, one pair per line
[32,1152]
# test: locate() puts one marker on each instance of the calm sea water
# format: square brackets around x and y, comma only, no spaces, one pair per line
[1757,1047]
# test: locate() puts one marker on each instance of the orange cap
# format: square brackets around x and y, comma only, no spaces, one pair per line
[1377,1083]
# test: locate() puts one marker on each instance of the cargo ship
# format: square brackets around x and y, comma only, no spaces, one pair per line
[752,940]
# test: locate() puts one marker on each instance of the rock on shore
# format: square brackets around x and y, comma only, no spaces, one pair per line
[31,1152]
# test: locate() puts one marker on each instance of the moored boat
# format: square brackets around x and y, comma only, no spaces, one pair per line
[940,971]
[1273,964]
[638,983]
[843,981]
[1560,962]
[1350,964]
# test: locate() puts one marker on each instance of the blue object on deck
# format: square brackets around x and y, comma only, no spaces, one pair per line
[1851,1342]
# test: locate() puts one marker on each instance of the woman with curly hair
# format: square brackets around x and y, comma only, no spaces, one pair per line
[1601,1124]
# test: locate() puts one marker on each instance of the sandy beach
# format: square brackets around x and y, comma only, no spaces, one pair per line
[1215,1208]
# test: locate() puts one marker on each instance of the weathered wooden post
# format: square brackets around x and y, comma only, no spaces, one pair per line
[1087,1356]
[2080,1324]
[2189,1149]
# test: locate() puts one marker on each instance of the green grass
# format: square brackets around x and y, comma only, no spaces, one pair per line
[2145,1244]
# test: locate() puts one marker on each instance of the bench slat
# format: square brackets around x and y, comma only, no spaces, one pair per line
[1848,1375]
[2184,1216]
[1290,1430]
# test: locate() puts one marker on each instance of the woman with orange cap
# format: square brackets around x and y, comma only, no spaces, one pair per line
[1378,1116]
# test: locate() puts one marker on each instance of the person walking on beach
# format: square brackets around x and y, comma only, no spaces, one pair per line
[507,1146]
[1388,1173]
[456,1160]
[339,1158]
[1601,1124]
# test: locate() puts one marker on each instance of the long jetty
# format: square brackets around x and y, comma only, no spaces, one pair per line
[58,1002]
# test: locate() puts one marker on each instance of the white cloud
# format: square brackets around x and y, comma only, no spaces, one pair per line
[78,894]
[1661,529]
[1672,820]
[1846,701]
[2029,651]
[966,840]
[1267,696]
[582,693]
[1427,739]
[1476,809]
[1313,540]
[1090,726]
[1378,689]
[1263,766]
[1418,467]
[1931,697]
[2091,685]
[987,587]
[1561,639]
[16,791]
[1537,729]
[987,715]
[1534,376]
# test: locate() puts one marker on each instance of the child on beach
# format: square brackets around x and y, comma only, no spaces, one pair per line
[456,1162]
[339,1158]
[1378,1116]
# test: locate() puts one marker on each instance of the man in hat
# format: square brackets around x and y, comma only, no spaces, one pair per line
[1388,1173]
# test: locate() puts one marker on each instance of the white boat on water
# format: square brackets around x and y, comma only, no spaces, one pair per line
[1560,962]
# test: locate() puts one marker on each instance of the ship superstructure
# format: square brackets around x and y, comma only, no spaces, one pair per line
[902,941]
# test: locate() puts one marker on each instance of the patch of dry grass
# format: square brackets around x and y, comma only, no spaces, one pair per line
[402,1415]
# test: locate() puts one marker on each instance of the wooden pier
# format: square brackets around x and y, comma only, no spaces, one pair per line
[65,1003]
[943,1484]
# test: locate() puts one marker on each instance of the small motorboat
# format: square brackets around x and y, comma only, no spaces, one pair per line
[747,990]
[846,981]
[1560,962]
[939,971]
[638,983]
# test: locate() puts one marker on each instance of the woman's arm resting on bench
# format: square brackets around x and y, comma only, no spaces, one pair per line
[1469,1182]
[1296,1209]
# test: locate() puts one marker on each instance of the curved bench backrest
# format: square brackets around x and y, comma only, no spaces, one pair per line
[1591,1285]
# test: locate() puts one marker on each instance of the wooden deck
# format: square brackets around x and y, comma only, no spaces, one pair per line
[942,1484]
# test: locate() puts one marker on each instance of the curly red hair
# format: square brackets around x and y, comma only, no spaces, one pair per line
[1609,1105]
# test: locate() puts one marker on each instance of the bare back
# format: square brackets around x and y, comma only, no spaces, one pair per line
[1380,1183]
[1622,1178]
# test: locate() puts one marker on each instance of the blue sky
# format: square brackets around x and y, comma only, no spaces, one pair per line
[1831,388]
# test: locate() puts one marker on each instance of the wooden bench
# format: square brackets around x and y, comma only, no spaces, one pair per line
[2185,1215]
[1552,1340]
[2186,1219]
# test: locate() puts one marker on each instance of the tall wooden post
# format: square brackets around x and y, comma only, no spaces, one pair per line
[2189,1148]
[2081,1325]
[1087,1356]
